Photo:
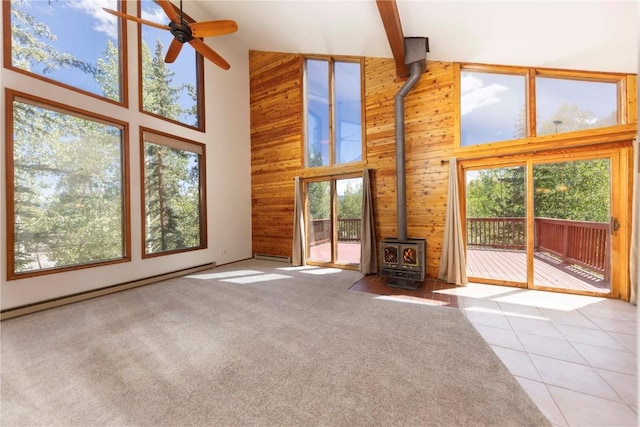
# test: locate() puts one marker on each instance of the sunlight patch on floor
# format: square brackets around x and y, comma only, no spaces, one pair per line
[224,274]
[258,278]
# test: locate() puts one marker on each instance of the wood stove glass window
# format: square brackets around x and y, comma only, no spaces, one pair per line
[333,112]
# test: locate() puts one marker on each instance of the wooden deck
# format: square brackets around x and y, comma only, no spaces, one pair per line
[512,266]
[495,264]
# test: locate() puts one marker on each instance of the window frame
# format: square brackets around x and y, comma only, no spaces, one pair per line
[199,70]
[332,59]
[122,49]
[161,138]
[10,97]
[530,74]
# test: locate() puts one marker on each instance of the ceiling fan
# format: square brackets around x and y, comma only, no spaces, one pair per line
[185,32]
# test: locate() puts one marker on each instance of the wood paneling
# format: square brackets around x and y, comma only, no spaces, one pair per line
[276,147]
[431,129]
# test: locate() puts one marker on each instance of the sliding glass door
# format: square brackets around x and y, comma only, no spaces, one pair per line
[546,223]
[333,217]
[572,205]
[496,224]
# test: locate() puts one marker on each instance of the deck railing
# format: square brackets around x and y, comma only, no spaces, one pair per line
[348,230]
[582,243]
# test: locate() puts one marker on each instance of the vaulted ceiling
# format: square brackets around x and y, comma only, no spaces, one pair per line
[592,35]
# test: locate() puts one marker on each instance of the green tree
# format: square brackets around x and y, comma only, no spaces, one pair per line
[31,47]
[171,199]
[350,203]
[159,95]
[498,192]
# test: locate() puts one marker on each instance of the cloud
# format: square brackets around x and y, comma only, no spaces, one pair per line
[104,22]
[475,95]
[158,16]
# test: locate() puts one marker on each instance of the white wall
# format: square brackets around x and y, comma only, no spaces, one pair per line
[228,168]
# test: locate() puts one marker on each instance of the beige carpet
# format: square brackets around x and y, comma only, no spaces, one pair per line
[254,343]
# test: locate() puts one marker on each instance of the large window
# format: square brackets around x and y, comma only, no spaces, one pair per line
[565,105]
[511,104]
[492,106]
[73,43]
[65,188]
[333,97]
[173,192]
[171,91]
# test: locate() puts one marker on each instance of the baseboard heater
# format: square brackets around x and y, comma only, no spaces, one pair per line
[268,257]
[45,305]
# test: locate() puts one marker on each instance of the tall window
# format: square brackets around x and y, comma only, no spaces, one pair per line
[500,105]
[73,43]
[174,212]
[333,112]
[65,188]
[171,91]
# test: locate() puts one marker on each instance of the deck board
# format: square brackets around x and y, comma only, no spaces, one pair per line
[512,266]
[503,265]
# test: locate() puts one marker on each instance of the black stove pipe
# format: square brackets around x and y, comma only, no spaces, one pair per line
[415,71]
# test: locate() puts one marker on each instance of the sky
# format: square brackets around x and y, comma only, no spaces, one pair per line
[66,18]
[491,103]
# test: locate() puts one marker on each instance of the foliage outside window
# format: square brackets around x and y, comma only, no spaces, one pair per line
[333,97]
[495,106]
[576,190]
[170,91]
[76,44]
[66,188]
[174,213]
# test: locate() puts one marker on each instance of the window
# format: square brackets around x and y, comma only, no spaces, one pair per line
[170,91]
[333,112]
[565,105]
[65,188]
[72,43]
[492,107]
[496,105]
[173,193]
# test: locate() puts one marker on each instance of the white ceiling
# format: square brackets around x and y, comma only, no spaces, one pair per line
[593,35]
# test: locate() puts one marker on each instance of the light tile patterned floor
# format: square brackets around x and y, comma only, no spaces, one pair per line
[575,355]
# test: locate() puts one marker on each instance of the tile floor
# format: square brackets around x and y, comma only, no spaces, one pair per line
[575,355]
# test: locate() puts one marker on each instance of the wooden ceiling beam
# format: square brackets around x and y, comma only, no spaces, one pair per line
[391,20]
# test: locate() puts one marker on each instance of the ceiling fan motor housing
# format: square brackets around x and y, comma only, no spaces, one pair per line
[181,32]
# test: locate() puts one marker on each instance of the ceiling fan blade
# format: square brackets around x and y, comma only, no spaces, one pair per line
[136,19]
[213,28]
[209,53]
[169,10]
[173,51]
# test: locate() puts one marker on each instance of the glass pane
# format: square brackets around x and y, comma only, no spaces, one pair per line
[168,90]
[496,224]
[348,115]
[172,199]
[564,105]
[492,107]
[68,190]
[71,42]
[317,87]
[349,218]
[319,231]
[572,211]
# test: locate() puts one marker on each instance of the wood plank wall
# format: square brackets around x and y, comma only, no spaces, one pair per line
[431,117]
[277,149]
